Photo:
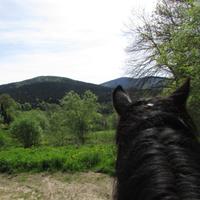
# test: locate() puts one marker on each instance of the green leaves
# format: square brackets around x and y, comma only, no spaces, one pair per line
[8,108]
[170,44]
[28,128]
[80,113]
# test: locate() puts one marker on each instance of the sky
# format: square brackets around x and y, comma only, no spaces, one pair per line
[79,39]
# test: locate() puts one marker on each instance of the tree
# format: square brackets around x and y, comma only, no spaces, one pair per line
[184,54]
[28,128]
[147,55]
[80,113]
[26,106]
[8,108]
[27,131]
[170,44]
[58,132]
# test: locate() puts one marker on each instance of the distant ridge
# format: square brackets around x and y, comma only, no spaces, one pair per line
[51,89]
[148,82]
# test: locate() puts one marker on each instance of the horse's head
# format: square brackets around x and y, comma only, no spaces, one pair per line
[156,146]
[142,114]
[176,101]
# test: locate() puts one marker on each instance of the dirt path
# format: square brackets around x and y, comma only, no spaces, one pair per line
[57,186]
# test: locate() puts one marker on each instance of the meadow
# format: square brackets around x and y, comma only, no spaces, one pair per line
[97,155]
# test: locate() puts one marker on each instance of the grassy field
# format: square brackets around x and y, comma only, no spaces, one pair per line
[97,155]
[74,172]
[100,137]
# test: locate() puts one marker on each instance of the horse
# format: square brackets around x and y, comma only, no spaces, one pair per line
[158,153]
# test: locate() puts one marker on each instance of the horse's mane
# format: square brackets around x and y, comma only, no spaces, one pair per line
[158,156]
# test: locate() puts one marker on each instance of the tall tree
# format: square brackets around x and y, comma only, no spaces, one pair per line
[183,53]
[146,51]
[8,108]
[169,43]
[80,113]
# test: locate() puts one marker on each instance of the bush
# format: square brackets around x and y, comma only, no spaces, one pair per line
[6,139]
[2,140]
[27,130]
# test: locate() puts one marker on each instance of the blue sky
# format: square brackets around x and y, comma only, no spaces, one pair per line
[82,40]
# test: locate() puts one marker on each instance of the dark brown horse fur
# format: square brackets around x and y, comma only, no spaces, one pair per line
[158,154]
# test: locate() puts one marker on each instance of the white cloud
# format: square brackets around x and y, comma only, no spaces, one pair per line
[76,39]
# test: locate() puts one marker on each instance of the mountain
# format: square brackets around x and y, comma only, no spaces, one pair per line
[145,83]
[51,89]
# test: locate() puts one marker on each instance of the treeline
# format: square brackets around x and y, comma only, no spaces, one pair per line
[68,122]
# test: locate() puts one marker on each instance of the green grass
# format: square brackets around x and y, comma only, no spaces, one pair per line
[97,158]
[98,155]
[101,137]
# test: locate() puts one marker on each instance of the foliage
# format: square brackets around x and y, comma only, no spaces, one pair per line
[170,44]
[8,108]
[100,137]
[112,121]
[76,120]
[146,51]
[26,106]
[65,120]
[27,129]
[38,116]
[80,113]
[6,139]
[183,52]
[98,158]
[59,133]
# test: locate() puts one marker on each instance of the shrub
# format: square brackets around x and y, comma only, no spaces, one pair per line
[2,140]
[6,139]
[27,130]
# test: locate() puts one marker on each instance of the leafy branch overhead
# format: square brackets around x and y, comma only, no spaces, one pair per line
[168,44]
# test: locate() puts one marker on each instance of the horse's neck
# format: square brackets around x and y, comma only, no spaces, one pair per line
[162,161]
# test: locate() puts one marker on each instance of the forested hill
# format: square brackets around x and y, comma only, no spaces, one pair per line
[51,89]
[144,83]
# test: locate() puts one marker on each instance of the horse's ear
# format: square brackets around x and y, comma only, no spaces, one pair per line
[181,94]
[121,100]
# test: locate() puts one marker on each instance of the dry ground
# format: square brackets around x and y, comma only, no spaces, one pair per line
[57,186]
